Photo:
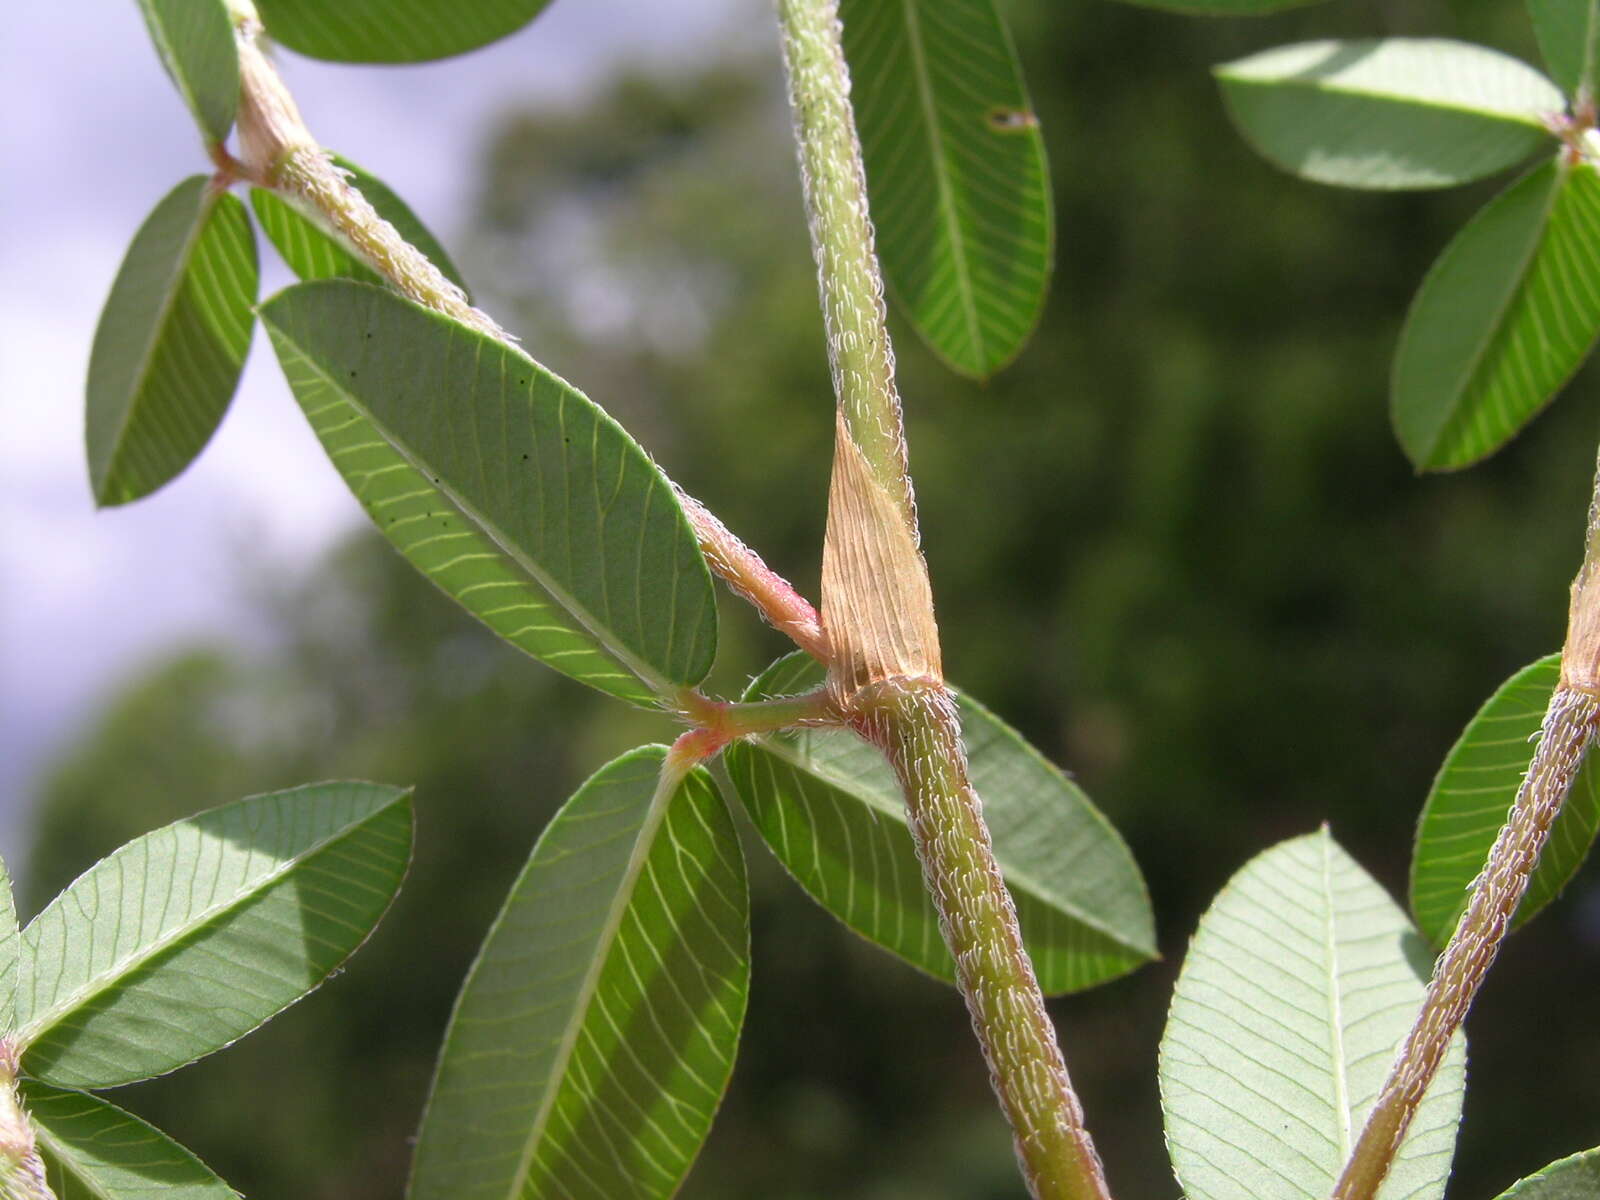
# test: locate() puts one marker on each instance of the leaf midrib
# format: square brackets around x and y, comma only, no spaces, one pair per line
[1341,1081]
[625,657]
[666,791]
[1404,101]
[919,63]
[103,981]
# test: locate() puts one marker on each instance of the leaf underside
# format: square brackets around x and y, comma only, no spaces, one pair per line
[393,31]
[10,953]
[1506,315]
[194,39]
[171,342]
[596,1032]
[185,939]
[956,171]
[1297,989]
[832,813]
[1576,1177]
[1474,791]
[93,1150]
[313,253]
[504,485]
[1389,112]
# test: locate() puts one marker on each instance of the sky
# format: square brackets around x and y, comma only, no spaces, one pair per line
[93,136]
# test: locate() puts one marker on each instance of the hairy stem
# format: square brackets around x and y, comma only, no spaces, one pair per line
[1565,737]
[278,151]
[22,1173]
[884,669]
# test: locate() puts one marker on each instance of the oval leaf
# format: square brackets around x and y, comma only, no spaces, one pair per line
[830,809]
[314,253]
[195,41]
[1569,38]
[1474,791]
[171,341]
[1297,990]
[187,938]
[1504,318]
[956,171]
[393,31]
[1576,1177]
[596,1032]
[504,485]
[1390,112]
[93,1150]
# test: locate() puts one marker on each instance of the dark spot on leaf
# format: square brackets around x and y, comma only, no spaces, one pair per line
[524,458]
[1011,120]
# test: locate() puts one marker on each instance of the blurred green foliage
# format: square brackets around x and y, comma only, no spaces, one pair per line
[1175,544]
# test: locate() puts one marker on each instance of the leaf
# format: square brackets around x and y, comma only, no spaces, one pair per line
[314,253]
[504,485]
[830,809]
[171,341]
[10,953]
[1474,791]
[93,1150]
[185,939]
[393,31]
[195,41]
[594,1037]
[1389,112]
[1507,314]
[956,170]
[1569,35]
[1576,1177]
[1297,990]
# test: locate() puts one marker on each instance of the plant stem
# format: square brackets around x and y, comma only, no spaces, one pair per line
[1567,733]
[22,1173]
[877,614]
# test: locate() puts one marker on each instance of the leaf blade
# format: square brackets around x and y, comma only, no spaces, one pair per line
[508,487]
[970,271]
[830,811]
[1576,1177]
[92,1150]
[188,937]
[313,253]
[1471,795]
[171,342]
[1389,112]
[1504,318]
[196,46]
[651,937]
[1569,38]
[393,31]
[1295,992]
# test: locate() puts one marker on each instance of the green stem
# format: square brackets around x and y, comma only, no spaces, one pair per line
[877,616]
[1565,737]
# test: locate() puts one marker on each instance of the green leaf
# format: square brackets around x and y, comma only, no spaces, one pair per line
[1504,318]
[1298,988]
[1474,791]
[1390,112]
[1576,1177]
[314,253]
[195,41]
[504,485]
[187,938]
[830,809]
[594,1037]
[956,170]
[171,342]
[393,31]
[93,1151]
[1569,36]
[10,953]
